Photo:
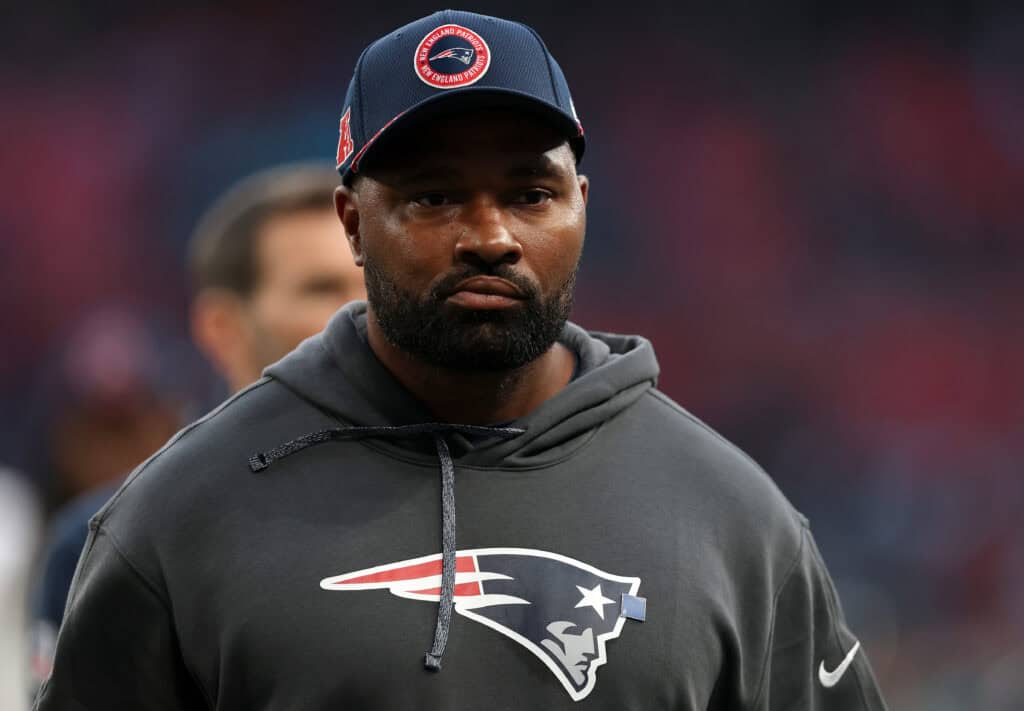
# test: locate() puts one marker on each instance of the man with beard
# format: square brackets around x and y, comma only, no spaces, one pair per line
[297,549]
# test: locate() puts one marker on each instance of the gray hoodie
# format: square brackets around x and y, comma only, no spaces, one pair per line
[306,543]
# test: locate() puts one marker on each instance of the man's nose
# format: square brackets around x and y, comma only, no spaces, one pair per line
[485,235]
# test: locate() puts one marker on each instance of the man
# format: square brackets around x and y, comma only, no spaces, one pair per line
[269,267]
[609,550]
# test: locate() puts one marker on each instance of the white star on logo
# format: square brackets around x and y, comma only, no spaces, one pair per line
[593,598]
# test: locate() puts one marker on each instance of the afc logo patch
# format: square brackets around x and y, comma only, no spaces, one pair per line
[560,609]
[451,56]
[345,145]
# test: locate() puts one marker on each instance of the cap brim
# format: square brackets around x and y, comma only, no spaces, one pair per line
[469,98]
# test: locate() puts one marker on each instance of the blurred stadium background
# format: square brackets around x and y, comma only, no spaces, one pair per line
[814,210]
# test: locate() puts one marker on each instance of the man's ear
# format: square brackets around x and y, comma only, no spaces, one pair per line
[219,330]
[346,202]
[584,186]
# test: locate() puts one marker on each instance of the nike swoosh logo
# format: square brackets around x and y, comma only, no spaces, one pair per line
[829,679]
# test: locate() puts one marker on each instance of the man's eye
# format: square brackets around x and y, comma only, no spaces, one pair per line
[432,200]
[533,197]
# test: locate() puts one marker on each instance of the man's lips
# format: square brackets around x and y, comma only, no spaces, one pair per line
[489,285]
[486,292]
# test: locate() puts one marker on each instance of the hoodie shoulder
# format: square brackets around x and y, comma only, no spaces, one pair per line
[195,477]
[738,499]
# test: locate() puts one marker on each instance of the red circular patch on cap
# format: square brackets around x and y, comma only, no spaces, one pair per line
[451,56]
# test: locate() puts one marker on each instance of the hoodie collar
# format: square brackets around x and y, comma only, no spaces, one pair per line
[338,372]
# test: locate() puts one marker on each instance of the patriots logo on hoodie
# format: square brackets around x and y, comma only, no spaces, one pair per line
[562,610]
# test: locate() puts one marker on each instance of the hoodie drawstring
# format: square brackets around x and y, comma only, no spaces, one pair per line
[261,460]
[432,661]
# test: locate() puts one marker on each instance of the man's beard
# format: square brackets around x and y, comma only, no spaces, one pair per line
[438,333]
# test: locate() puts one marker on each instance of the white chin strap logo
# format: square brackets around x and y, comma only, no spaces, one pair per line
[829,679]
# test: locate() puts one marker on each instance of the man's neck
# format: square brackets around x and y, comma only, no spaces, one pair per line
[476,398]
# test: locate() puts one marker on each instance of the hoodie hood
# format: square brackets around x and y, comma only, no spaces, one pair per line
[337,372]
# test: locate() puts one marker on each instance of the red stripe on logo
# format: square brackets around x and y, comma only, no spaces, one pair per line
[463,564]
[462,589]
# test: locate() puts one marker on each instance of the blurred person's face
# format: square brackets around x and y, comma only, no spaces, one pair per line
[99,441]
[304,274]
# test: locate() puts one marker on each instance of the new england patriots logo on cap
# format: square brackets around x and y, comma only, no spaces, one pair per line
[462,54]
[560,609]
[451,56]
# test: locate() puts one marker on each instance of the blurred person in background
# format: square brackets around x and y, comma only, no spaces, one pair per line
[111,402]
[20,527]
[269,264]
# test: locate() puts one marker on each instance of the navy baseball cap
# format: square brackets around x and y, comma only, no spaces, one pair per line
[449,61]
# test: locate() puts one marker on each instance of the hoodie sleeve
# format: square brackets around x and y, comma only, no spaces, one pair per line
[117,647]
[814,661]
